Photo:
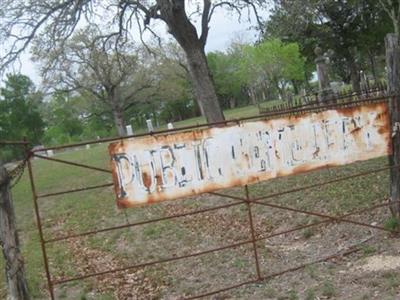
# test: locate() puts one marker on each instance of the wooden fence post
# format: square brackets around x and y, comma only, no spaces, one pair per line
[15,271]
[393,73]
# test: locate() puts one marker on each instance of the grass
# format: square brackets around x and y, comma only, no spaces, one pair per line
[328,289]
[230,114]
[79,212]
[73,212]
[392,224]
[392,280]
[310,294]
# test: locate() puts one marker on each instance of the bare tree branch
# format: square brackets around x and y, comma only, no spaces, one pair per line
[204,22]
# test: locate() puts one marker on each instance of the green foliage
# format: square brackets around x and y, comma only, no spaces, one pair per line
[280,61]
[391,279]
[228,78]
[275,62]
[328,289]
[352,31]
[258,72]
[308,233]
[310,294]
[368,250]
[19,112]
[63,119]
[177,110]
[393,224]
[292,295]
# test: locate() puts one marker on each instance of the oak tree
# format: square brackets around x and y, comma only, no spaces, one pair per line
[101,68]
[57,20]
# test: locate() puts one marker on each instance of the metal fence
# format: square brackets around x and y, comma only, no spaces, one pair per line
[315,99]
[248,201]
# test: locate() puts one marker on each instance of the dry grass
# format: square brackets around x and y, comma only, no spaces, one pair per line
[84,211]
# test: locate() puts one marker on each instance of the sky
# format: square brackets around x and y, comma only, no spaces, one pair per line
[224,27]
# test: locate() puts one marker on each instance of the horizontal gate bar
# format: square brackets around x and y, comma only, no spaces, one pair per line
[72,163]
[142,222]
[315,185]
[333,218]
[349,251]
[225,289]
[317,214]
[76,190]
[339,218]
[60,281]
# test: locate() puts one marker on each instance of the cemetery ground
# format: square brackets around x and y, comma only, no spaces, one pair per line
[371,273]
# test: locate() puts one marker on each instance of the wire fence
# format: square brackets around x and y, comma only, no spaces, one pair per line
[248,202]
[316,100]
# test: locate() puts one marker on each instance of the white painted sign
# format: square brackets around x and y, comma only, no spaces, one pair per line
[162,167]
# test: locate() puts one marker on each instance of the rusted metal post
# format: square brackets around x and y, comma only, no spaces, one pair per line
[253,235]
[393,72]
[9,242]
[39,223]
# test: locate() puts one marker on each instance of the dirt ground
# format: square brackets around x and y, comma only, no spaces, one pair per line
[371,271]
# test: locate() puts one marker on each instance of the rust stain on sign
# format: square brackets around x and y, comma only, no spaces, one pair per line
[170,166]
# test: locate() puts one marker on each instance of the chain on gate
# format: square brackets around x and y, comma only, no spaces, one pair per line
[16,173]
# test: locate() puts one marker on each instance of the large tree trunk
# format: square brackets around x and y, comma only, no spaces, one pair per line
[203,85]
[295,87]
[354,76]
[15,271]
[373,66]
[281,90]
[119,122]
[174,15]
[232,102]
[252,95]
[117,111]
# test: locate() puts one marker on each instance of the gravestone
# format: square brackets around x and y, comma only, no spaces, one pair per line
[150,127]
[129,130]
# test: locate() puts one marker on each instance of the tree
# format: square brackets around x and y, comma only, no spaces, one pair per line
[101,68]
[226,74]
[19,114]
[274,62]
[392,45]
[63,117]
[175,89]
[58,20]
[392,8]
[350,30]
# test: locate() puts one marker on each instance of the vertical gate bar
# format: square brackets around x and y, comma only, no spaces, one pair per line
[39,223]
[253,236]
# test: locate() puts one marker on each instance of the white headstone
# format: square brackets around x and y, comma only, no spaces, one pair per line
[129,130]
[87,147]
[170,126]
[149,125]
[50,153]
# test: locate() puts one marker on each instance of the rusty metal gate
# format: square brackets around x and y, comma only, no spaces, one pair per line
[248,202]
